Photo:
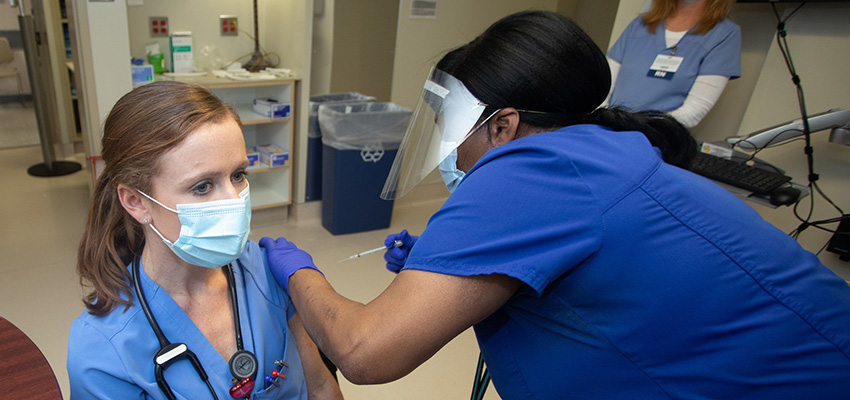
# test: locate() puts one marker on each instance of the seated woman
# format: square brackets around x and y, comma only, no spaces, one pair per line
[177,289]
[676,58]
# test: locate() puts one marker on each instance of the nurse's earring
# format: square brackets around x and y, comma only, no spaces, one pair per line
[145,221]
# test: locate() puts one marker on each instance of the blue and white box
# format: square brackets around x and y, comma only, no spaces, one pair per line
[272,155]
[271,108]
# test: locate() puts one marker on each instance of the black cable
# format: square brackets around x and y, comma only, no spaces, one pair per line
[812,177]
[481,380]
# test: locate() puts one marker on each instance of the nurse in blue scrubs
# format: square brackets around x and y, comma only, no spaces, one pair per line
[676,58]
[180,304]
[590,265]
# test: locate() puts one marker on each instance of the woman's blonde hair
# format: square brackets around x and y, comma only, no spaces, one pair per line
[714,12]
[143,125]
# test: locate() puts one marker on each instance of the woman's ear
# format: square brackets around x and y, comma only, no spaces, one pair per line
[132,201]
[503,126]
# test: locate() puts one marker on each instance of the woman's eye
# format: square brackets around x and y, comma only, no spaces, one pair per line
[202,188]
[240,176]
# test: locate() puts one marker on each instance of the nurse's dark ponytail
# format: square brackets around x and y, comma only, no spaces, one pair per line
[674,140]
[542,61]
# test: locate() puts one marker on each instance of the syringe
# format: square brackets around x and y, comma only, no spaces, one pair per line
[397,243]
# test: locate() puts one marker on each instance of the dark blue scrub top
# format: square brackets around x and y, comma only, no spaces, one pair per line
[641,280]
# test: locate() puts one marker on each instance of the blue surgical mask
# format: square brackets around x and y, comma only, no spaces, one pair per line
[212,233]
[448,169]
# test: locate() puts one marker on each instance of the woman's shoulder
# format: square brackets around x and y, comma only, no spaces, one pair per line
[254,267]
[253,258]
[91,332]
[112,322]
[726,27]
[637,25]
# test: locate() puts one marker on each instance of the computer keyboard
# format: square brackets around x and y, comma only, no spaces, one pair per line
[737,173]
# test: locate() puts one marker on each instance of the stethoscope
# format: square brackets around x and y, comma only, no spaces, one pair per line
[243,364]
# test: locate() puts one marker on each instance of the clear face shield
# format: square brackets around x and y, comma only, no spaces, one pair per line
[445,116]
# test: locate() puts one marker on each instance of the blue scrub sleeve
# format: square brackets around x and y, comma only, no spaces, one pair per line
[493,223]
[98,376]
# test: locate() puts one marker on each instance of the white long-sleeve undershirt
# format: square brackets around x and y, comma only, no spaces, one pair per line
[701,98]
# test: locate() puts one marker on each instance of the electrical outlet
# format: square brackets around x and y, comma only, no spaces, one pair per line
[158,26]
[228,25]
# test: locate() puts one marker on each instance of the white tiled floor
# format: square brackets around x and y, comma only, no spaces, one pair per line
[42,220]
[19,126]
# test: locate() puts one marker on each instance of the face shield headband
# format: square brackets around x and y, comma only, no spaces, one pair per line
[446,114]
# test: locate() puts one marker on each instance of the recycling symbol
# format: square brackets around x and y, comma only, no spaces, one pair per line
[372,153]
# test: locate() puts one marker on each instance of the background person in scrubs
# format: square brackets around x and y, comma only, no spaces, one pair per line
[168,146]
[676,58]
[588,265]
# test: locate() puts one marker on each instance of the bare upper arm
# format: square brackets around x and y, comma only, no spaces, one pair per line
[419,313]
[320,382]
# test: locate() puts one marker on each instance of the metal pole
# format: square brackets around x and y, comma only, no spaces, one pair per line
[28,38]
[49,167]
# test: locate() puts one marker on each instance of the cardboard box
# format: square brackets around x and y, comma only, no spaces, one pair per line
[271,108]
[181,52]
[272,155]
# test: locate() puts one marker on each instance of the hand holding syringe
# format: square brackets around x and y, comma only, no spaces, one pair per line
[397,243]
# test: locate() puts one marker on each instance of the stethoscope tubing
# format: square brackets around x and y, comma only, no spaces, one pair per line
[170,352]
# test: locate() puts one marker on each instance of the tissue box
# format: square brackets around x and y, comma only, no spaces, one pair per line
[271,108]
[253,158]
[142,74]
[272,155]
[181,52]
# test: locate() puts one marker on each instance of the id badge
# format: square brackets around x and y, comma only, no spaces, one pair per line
[665,66]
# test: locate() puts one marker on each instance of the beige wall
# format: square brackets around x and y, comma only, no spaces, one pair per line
[322,56]
[363,47]
[101,64]
[596,18]
[281,25]
[421,42]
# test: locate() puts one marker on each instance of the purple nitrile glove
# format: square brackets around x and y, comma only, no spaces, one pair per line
[284,259]
[396,257]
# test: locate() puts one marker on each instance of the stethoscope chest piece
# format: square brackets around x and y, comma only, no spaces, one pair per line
[243,364]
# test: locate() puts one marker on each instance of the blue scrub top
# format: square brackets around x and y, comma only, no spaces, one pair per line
[717,52]
[111,356]
[641,280]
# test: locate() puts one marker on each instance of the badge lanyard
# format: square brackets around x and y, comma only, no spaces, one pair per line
[243,364]
[665,66]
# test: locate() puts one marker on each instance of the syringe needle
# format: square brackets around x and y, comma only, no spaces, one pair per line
[397,243]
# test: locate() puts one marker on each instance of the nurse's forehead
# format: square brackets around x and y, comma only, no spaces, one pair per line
[206,150]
